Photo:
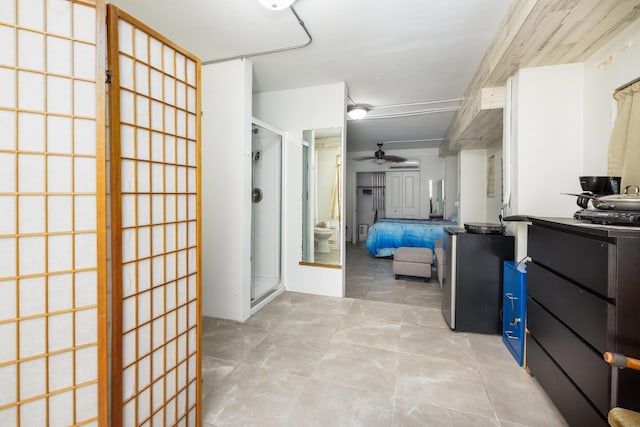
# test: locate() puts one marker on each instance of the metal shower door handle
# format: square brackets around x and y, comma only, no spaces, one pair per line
[256,195]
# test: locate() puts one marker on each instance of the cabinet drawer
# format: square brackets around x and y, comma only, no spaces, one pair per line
[581,363]
[571,403]
[583,312]
[582,259]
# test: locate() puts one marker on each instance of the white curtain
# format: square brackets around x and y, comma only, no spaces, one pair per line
[624,148]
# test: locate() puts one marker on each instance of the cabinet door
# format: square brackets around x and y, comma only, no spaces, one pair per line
[394,202]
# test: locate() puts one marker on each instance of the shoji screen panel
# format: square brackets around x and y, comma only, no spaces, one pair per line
[154,125]
[52,318]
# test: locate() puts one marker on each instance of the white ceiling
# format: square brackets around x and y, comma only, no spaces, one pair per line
[388,52]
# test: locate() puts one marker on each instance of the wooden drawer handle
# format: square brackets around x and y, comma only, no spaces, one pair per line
[621,361]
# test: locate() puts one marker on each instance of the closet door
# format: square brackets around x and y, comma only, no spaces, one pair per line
[155,213]
[53,365]
[394,201]
[411,194]
[402,194]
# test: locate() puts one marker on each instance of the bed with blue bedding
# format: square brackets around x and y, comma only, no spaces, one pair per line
[387,235]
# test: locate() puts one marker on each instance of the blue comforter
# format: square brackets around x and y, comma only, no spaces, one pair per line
[387,235]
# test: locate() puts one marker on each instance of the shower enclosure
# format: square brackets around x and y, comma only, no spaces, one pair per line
[266,184]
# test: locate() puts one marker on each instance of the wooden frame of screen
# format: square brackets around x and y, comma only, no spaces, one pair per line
[113,16]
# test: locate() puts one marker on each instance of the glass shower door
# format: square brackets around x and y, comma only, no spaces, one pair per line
[266,171]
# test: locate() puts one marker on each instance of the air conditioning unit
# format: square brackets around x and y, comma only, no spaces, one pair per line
[408,164]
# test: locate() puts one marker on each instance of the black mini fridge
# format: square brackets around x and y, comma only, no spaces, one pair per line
[472,285]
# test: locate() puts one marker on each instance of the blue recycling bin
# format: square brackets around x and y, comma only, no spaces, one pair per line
[514,308]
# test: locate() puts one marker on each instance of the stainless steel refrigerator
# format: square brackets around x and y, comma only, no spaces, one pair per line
[472,285]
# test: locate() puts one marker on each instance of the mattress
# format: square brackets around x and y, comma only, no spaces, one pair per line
[386,235]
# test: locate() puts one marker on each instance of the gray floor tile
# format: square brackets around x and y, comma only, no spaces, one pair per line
[441,382]
[312,324]
[214,371]
[328,404]
[359,367]
[253,396]
[325,305]
[357,291]
[376,310]
[489,350]
[369,333]
[232,347]
[423,316]
[413,413]
[322,361]
[290,353]
[435,342]
[507,388]
[423,298]
[393,295]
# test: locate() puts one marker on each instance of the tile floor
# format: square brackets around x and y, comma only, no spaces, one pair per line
[383,356]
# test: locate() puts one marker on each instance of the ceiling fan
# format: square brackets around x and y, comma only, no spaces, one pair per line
[379,157]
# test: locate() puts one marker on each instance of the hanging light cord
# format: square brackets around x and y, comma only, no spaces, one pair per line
[266,52]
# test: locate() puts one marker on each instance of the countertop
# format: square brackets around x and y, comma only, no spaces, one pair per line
[588,228]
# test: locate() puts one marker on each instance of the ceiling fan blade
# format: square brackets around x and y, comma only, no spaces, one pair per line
[395,159]
[364,158]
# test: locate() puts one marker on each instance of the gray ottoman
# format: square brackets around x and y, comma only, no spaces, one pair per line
[413,262]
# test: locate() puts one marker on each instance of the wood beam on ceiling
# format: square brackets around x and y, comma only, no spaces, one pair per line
[534,33]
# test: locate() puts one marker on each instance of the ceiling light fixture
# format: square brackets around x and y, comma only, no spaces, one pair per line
[357,112]
[276,4]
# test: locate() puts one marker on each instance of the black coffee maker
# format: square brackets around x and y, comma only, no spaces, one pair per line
[597,186]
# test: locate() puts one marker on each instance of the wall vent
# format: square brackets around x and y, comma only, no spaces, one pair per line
[408,164]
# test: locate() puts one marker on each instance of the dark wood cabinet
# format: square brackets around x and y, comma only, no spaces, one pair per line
[583,299]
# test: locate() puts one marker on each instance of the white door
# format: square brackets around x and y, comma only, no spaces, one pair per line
[411,194]
[402,194]
[393,197]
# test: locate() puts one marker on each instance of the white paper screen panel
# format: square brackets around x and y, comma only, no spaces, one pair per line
[48,213]
[154,128]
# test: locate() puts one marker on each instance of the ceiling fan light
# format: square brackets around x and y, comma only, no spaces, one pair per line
[379,161]
[276,4]
[357,112]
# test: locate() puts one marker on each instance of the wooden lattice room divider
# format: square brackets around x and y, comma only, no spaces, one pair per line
[154,130]
[53,220]
[53,359]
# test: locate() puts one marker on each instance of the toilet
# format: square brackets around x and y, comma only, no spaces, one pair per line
[321,236]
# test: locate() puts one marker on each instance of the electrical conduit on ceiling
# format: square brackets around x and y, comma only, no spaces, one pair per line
[266,52]
[409,104]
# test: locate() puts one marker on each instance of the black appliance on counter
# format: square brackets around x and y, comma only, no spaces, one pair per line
[612,217]
[472,283]
[603,186]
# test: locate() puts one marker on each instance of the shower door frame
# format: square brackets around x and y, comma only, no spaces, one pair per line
[261,300]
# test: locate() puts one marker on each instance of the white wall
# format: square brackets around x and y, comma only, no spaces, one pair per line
[473,186]
[546,139]
[494,203]
[431,167]
[451,200]
[294,111]
[615,64]
[226,189]
[545,144]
